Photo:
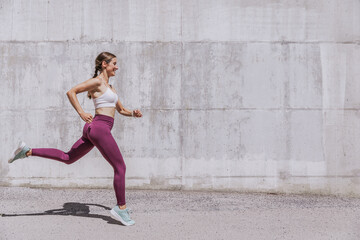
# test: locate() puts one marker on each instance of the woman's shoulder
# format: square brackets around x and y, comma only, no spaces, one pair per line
[94,81]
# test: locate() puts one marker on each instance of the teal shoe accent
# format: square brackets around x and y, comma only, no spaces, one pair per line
[122,216]
[20,152]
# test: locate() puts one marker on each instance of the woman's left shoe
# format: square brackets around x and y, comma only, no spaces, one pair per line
[19,152]
[122,216]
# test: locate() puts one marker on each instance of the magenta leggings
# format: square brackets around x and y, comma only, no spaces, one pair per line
[97,133]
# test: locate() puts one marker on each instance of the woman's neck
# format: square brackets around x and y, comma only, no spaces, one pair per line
[104,78]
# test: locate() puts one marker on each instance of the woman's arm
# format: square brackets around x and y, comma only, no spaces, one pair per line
[88,85]
[126,112]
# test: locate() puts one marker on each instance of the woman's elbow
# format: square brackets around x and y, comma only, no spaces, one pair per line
[69,93]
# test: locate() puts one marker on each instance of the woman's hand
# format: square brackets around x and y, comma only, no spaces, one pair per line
[137,113]
[87,117]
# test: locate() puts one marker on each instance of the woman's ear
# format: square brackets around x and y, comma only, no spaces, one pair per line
[104,64]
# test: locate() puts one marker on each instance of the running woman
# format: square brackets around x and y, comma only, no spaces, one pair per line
[96,131]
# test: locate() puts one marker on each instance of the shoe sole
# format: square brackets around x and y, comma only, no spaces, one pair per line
[20,147]
[117,217]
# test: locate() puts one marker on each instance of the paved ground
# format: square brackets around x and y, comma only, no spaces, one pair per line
[34,213]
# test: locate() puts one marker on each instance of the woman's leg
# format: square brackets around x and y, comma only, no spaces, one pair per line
[102,138]
[79,149]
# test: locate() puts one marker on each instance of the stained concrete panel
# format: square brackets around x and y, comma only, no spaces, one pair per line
[304,80]
[339,70]
[158,20]
[65,20]
[306,136]
[245,75]
[165,20]
[341,131]
[264,20]
[142,138]
[28,20]
[98,21]
[57,67]
[91,20]
[150,74]
[46,71]
[233,143]
[5,16]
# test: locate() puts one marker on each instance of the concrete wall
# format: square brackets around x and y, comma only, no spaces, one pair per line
[247,95]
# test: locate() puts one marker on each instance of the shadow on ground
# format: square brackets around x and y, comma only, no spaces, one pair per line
[71,209]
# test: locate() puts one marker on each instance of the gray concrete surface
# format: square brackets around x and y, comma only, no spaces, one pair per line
[250,95]
[35,213]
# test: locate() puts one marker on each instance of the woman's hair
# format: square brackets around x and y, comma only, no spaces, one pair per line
[104,56]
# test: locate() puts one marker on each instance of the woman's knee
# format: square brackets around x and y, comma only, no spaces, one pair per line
[120,169]
[69,159]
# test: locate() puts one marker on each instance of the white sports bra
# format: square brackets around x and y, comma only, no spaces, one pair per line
[107,99]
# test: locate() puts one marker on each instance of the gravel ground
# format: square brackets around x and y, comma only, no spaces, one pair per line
[37,213]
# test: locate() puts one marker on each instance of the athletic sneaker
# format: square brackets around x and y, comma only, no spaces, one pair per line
[20,152]
[122,216]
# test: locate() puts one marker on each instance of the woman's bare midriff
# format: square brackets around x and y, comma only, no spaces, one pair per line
[108,111]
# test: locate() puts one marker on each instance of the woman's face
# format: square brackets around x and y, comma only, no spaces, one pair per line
[111,67]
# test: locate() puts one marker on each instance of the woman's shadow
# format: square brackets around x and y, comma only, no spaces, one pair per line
[72,209]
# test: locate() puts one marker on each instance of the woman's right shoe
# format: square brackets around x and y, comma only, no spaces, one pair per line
[122,216]
[19,152]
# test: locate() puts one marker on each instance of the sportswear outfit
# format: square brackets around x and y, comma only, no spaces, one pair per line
[98,134]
